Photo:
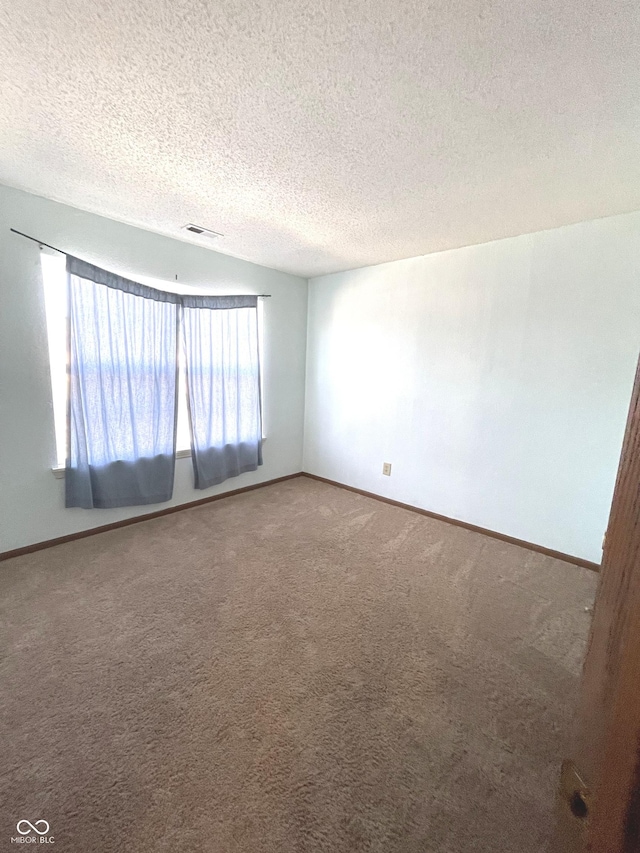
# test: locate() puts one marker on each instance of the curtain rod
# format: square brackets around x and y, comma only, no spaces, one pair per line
[42,243]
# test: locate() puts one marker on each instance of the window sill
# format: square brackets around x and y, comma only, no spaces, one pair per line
[58,471]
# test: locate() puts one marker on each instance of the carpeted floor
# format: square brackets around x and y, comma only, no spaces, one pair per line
[297,668]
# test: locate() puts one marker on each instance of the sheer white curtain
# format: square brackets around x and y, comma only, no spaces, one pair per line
[122,403]
[223,385]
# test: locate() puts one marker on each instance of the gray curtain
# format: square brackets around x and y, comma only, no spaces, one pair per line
[223,384]
[122,402]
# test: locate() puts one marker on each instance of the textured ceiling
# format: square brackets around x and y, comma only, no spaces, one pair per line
[321,135]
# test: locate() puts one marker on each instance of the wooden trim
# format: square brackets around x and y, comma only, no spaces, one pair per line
[125,522]
[608,749]
[531,546]
[605,743]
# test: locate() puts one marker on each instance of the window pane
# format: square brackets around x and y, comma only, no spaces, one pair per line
[54,278]
[183,438]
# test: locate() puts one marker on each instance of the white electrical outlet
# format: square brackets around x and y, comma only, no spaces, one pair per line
[386,469]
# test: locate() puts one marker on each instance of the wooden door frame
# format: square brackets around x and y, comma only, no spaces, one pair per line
[606,743]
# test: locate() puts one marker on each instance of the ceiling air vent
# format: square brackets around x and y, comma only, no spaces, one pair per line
[198,229]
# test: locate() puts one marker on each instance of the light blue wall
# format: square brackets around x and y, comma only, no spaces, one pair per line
[496,379]
[31,499]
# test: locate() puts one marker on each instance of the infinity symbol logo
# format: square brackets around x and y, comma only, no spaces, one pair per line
[32,827]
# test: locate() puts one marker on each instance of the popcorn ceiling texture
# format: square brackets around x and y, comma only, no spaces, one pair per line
[321,136]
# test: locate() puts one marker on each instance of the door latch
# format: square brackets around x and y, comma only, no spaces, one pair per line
[574,790]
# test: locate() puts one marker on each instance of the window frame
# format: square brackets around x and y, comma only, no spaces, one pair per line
[58,377]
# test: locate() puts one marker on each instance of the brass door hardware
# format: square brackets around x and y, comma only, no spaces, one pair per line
[574,790]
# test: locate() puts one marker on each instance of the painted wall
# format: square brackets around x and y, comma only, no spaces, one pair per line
[31,499]
[496,379]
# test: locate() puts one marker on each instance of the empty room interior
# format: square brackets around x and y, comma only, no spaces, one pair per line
[318,332]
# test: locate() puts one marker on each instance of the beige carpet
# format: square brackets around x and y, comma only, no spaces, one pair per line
[293,669]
